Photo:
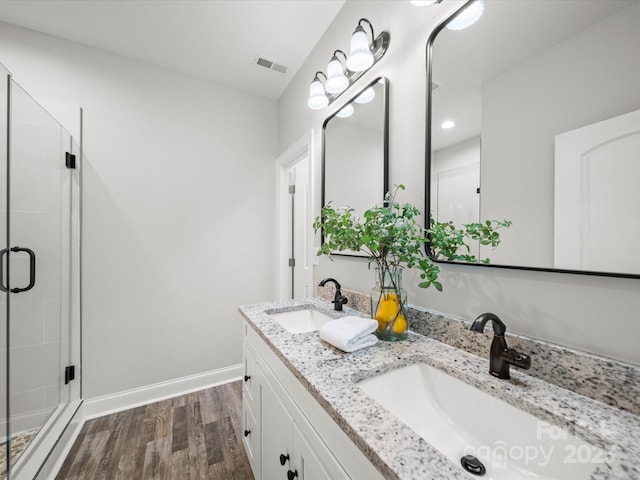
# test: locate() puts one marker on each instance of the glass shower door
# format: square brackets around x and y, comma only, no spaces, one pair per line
[39,275]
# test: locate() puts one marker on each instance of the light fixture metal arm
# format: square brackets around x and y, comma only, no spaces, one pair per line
[373,35]
[340,51]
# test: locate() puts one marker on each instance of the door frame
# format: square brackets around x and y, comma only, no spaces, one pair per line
[296,152]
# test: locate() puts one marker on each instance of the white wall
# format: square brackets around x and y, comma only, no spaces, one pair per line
[178,209]
[595,314]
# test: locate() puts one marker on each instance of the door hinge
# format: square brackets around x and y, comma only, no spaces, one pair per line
[292,189]
[70,160]
[69,373]
[478,190]
[292,262]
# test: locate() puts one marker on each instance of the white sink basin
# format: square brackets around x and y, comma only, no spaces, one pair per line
[302,320]
[458,419]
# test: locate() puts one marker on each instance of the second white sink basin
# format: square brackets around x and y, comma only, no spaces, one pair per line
[458,419]
[301,320]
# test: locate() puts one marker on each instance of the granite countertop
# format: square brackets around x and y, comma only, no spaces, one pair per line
[331,376]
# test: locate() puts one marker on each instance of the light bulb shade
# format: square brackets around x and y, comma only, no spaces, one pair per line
[360,57]
[345,111]
[336,79]
[317,98]
[366,96]
[470,15]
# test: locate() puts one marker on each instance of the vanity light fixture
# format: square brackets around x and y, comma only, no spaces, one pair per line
[317,97]
[362,56]
[337,81]
[366,96]
[447,124]
[467,17]
[345,111]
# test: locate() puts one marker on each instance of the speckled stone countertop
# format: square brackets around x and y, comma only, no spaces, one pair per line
[332,377]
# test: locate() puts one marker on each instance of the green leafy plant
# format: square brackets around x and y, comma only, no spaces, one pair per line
[391,237]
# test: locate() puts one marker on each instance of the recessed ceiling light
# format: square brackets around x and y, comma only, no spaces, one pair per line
[447,124]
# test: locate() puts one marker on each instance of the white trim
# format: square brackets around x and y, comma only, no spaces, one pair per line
[304,147]
[116,402]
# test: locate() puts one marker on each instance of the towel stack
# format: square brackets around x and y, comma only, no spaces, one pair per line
[350,333]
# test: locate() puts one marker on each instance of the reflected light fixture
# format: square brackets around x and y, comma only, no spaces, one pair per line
[366,96]
[447,124]
[467,17]
[337,81]
[345,111]
[317,97]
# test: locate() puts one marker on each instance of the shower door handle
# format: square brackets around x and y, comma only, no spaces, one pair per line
[3,288]
[32,269]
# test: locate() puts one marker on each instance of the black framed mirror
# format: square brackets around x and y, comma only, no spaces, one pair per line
[355,151]
[545,107]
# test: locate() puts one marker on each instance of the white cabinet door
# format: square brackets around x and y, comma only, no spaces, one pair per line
[311,460]
[276,433]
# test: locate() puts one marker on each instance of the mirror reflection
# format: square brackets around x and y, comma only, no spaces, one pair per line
[355,151]
[535,118]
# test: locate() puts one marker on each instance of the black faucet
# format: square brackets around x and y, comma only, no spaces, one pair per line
[338,299]
[501,357]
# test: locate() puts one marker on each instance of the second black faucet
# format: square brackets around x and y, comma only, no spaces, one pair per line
[500,356]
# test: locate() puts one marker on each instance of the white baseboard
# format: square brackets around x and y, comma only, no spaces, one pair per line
[116,402]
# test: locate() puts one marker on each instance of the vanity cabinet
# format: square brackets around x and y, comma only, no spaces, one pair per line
[288,435]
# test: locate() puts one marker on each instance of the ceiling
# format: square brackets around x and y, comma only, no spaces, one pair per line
[211,39]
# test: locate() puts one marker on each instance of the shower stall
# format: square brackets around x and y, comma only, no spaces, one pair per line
[40,176]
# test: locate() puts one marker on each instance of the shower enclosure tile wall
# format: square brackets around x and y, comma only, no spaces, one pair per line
[39,234]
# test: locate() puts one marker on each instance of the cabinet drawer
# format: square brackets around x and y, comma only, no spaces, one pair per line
[250,380]
[251,437]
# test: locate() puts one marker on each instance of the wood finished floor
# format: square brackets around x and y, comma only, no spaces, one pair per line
[194,436]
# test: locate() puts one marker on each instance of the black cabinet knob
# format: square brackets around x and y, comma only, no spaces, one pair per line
[247,377]
[291,475]
[283,458]
[247,432]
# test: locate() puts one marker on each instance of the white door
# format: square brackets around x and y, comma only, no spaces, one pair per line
[302,274]
[458,198]
[597,196]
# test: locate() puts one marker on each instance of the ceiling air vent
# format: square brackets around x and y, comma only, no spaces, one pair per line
[269,64]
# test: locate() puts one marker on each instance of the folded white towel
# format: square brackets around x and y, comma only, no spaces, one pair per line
[350,333]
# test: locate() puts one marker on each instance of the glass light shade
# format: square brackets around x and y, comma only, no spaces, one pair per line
[317,98]
[360,57]
[366,96]
[346,111]
[336,79]
[467,17]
